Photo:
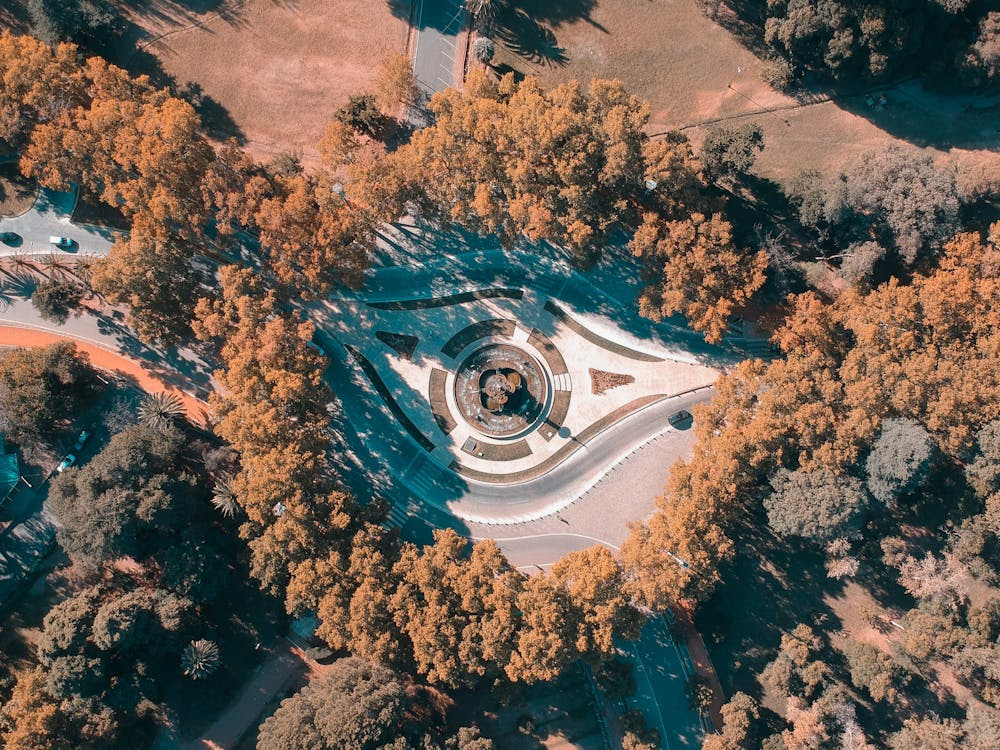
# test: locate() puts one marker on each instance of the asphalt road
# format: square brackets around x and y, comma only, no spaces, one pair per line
[437,24]
[50,216]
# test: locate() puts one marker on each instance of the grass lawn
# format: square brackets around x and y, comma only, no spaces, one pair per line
[693,70]
[16,192]
[271,72]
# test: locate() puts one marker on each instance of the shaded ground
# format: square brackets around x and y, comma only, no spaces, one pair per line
[16,192]
[693,70]
[559,714]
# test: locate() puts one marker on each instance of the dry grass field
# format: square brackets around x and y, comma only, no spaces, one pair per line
[692,70]
[279,68]
[16,193]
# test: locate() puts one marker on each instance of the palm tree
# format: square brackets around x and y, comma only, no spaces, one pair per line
[484,8]
[200,658]
[223,496]
[159,410]
[54,265]
[21,264]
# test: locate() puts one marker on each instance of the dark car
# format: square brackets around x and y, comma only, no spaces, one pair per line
[9,237]
[680,417]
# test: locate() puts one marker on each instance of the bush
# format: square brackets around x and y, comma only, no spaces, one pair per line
[731,149]
[362,114]
[54,299]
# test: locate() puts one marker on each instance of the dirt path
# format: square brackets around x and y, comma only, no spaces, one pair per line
[105,359]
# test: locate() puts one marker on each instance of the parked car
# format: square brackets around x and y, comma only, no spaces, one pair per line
[679,417]
[9,237]
[65,463]
[61,241]
[81,440]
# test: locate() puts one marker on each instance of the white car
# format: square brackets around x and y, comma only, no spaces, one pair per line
[61,241]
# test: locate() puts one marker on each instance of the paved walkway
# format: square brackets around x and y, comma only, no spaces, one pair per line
[283,665]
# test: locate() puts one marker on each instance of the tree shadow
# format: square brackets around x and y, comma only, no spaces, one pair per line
[527,38]
[790,576]
[215,118]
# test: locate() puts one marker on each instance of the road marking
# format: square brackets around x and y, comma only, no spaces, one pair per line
[652,694]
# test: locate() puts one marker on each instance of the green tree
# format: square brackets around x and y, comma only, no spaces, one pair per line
[819,504]
[900,460]
[874,671]
[55,299]
[200,659]
[124,499]
[983,471]
[40,389]
[356,704]
[731,150]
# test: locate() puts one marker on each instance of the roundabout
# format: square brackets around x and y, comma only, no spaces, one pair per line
[496,394]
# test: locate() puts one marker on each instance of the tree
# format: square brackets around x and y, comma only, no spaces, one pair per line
[738,730]
[311,238]
[136,147]
[41,82]
[54,299]
[356,704]
[42,388]
[595,583]
[695,269]
[906,193]
[510,159]
[88,22]
[874,671]
[124,499]
[33,720]
[983,471]
[200,659]
[980,63]
[396,83]
[154,274]
[731,150]
[224,496]
[900,460]
[484,8]
[459,613]
[819,504]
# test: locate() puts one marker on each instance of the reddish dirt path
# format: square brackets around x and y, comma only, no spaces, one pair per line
[701,660]
[105,359]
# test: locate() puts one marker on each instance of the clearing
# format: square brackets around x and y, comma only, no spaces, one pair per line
[271,73]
